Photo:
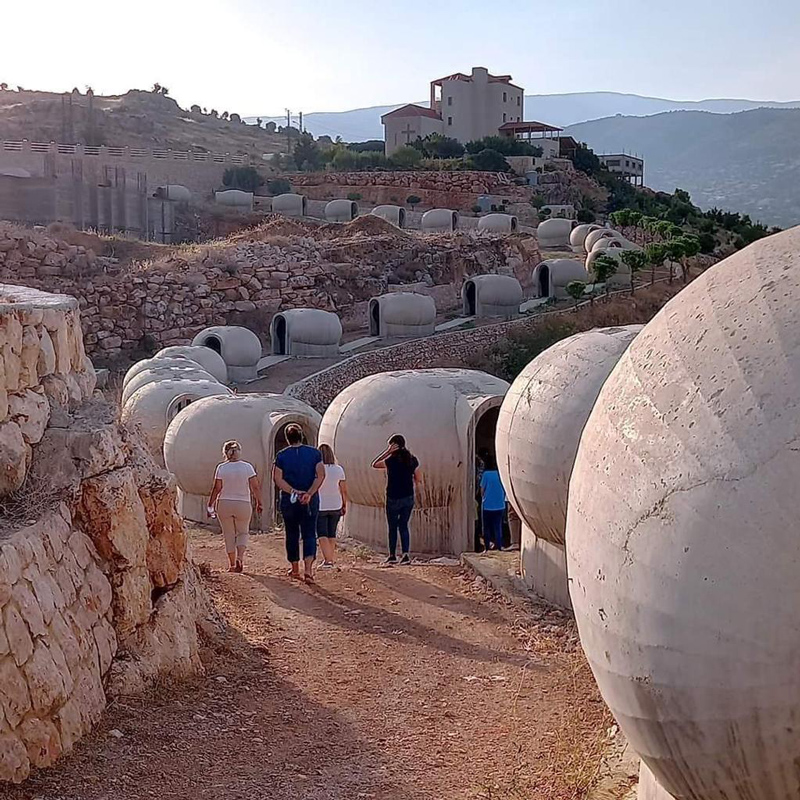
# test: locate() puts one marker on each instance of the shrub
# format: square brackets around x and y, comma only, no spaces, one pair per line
[505,145]
[413,200]
[405,157]
[585,215]
[490,161]
[279,186]
[354,195]
[476,209]
[248,179]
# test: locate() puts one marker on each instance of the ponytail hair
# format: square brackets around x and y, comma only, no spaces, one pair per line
[403,453]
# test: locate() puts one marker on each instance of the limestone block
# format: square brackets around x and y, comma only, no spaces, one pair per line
[48,595]
[10,332]
[5,645]
[30,410]
[13,367]
[69,723]
[63,577]
[166,547]
[73,391]
[29,357]
[55,531]
[82,548]
[53,319]
[42,741]
[13,457]
[25,599]
[19,637]
[97,450]
[14,696]
[87,377]
[132,599]
[14,764]
[61,633]
[10,564]
[90,696]
[112,514]
[61,344]
[56,390]
[106,639]
[45,681]
[98,586]
[46,362]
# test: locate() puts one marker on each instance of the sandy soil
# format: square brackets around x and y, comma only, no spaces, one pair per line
[405,683]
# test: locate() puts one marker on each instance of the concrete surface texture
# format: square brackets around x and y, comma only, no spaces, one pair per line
[239,347]
[305,332]
[621,278]
[538,431]
[440,220]
[399,314]
[148,363]
[341,210]
[445,415]
[191,370]
[502,223]
[577,237]
[682,538]
[211,361]
[593,237]
[550,278]
[491,296]
[152,407]
[290,205]
[394,214]
[554,232]
[194,439]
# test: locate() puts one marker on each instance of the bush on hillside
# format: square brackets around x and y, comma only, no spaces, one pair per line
[505,145]
[489,161]
[248,179]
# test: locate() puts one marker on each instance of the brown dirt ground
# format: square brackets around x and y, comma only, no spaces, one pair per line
[407,683]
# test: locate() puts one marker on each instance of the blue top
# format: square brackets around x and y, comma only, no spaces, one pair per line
[494,495]
[299,466]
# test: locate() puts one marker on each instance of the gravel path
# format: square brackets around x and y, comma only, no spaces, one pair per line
[408,683]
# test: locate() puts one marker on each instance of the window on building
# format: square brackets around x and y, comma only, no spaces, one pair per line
[627,163]
[449,101]
[505,97]
[613,163]
[504,117]
[519,100]
[449,120]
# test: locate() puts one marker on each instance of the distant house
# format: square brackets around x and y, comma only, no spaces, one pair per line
[467,107]
[629,167]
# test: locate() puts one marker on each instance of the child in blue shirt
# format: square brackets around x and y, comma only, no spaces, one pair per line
[493,505]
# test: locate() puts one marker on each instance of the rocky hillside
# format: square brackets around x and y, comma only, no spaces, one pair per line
[135,119]
[746,162]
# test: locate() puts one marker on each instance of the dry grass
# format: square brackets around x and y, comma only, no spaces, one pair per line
[29,503]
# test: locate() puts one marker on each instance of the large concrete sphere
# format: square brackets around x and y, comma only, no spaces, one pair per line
[439,413]
[555,232]
[194,439]
[239,347]
[341,210]
[682,539]
[499,223]
[440,220]
[149,363]
[595,236]
[191,371]
[211,361]
[578,235]
[541,420]
[152,407]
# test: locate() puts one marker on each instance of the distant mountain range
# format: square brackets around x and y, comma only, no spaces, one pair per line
[557,109]
[747,162]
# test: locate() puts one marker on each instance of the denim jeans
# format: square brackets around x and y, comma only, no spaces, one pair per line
[300,521]
[398,513]
[493,527]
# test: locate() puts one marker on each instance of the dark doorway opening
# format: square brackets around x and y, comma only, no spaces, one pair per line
[485,457]
[544,281]
[374,318]
[213,343]
[279,342]
[469,299]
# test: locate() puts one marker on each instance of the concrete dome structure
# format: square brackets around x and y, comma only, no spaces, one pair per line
[155,405]
[578,235]
[191,370]
[538,432]
[174,191]
[682,537]
[402,314]
[341,211]
[440,220]
[211,361]
[445,415]
[608,243]
[595,236]
[394,214]
[491,296]
[290,205]
[555,233]
[500,223]
[309,332]
[550,278]
[239,347]
[148,363]
[621,279]
[234,197]
[193,444]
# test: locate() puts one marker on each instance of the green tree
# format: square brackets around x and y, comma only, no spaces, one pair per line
[585,215]
[490,161]
[413,201]
[306,153]
[575,290]
[604,268]
[691,247]
[675,253]
[636,261]
[405,157]
[354,195]
[279,186]
[537,201]
[248,179]
[656,255]
[505,145]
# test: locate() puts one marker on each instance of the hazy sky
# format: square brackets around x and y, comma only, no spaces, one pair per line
[261,56]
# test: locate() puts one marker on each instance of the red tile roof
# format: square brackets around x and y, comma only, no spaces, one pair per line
[412,110]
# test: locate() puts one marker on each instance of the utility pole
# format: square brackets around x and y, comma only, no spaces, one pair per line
[288,133]
[301,122]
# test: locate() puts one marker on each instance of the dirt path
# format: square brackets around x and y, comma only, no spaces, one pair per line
[407,683]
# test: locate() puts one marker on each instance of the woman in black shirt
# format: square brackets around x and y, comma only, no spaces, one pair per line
[402,476]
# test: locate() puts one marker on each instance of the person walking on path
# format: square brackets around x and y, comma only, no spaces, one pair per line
[298,473]
[494,504]
[332,505]
[236,490]
[402,478]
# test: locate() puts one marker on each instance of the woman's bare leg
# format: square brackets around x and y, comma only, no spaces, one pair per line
[326,545]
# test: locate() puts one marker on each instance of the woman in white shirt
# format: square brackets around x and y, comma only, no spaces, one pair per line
[235,492]
[332,504]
